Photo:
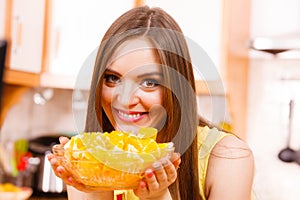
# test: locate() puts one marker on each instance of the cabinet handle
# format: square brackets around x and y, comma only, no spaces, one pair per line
[18,34]
[57,42]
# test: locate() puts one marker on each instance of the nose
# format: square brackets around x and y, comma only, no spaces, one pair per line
[127,94]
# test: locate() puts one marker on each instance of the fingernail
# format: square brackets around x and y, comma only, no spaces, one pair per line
[156,165]
[52,161]
[60,138]
[164,161]
[49,156]
[59,169]
[143,184]
[149,173]
[70,179]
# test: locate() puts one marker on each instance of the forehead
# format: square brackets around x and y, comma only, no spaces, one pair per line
[137,53]
[134,44]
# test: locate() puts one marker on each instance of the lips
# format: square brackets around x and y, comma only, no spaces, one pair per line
[130,116]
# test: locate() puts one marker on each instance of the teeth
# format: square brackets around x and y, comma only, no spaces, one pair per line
[129,115]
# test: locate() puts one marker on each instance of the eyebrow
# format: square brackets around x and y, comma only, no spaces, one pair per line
[150,74]
[112,71]
[139,76]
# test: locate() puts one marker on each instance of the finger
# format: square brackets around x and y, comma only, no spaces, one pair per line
[53,160]
[65,175]
[174,156]
[49,156]
[176,163]
[160,174]
[54,163]
[175,159]
[142,190]
[68,178]
[63,140]
[79,186]
[151,180]
[170,170]
[57,169]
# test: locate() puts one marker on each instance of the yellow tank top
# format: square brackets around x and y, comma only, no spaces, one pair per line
[207,139]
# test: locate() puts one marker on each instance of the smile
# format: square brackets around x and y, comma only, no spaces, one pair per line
[132,116]
[129,115]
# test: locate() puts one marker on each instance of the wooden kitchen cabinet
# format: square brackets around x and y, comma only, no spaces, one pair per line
[2,18]
[235,59]
[50,39]
[24,31]
[27,35]
[74,31]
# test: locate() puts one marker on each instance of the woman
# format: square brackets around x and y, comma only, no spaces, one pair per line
[143,76]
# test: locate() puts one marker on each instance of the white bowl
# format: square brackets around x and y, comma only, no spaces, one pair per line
[24,194]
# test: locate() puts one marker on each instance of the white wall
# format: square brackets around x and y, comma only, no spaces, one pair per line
[201,21]
[28,120]
[267,129]
[275,17]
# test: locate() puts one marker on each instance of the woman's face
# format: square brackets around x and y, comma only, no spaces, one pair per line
[132,93]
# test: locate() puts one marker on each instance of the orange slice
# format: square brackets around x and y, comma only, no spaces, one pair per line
[119,150]
[113,160]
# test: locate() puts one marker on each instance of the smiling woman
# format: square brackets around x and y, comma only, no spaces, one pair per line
[143,77]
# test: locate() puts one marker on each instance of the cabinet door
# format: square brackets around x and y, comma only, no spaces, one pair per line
[27,35]
[2,18]
[76,29]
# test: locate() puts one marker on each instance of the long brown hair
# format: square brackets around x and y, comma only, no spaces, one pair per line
[179,96]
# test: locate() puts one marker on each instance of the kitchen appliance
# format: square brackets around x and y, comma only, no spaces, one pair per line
[45,180]
[3,49]
[288,154]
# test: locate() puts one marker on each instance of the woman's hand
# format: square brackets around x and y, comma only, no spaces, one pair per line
[62,173]
[158,179]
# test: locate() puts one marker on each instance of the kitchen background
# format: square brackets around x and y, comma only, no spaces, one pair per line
[272,80]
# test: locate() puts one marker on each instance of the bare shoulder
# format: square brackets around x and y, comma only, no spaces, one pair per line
[232,147]
[230,170]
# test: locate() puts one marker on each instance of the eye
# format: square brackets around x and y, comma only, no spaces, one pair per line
[111,79]
[149,83]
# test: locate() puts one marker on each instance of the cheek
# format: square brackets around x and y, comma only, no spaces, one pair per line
[107,96]
[155,98]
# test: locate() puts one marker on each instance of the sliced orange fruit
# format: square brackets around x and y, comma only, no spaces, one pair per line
[115,159]
[147,132]
[9,187]
[138,153]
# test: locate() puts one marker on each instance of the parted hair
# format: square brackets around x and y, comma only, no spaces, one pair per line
[179,98]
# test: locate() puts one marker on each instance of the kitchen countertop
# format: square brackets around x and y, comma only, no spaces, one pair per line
[48,198]
[41,196]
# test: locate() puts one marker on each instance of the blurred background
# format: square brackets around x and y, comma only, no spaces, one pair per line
[46,46]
